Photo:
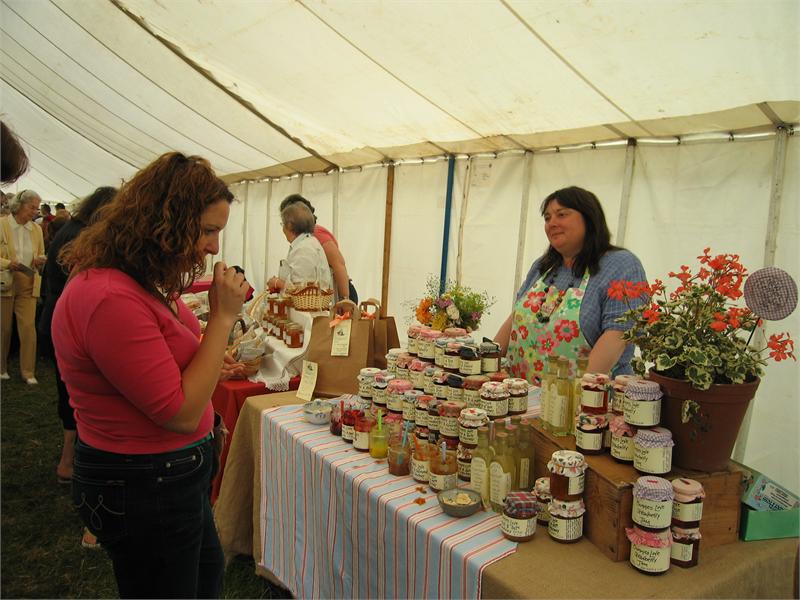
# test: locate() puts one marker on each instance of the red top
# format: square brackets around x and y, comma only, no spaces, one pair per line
[323,235]
[121,353]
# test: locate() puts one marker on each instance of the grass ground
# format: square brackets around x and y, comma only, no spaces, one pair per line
[40,551]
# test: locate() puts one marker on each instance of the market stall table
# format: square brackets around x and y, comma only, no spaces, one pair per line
[752,569]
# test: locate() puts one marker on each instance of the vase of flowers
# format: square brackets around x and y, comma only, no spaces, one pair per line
[697,340]
[456,306]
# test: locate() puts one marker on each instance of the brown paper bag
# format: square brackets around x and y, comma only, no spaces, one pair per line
[384,331]
[338,374]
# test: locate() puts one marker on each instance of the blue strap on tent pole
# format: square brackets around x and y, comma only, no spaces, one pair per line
[448,207]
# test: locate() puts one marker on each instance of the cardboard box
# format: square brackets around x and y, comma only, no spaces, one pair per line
[762,493]
[769,524]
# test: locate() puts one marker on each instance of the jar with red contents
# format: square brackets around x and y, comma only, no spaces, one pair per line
[336,419]
[294,336]
[518,522]
[379,386]
[567,475]
[499,376]
[410,406]
[685,549]
[282,304]
[490,356]
[472,390]
[416,373]
[449,412]
[413,333]
[426,344]
[403,363]
[687,506]
[363,425]
[517,396]
[440,387]
[421,410]
[494,399]
[650,549]
[594,393]
[351,412]
[590,433]
[395,392]
[452,357]
[541,490]
[443,468]
[470,363]
[566,520]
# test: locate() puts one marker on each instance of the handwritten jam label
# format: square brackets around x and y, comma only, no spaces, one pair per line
[419,469]
[365,389]
[433,422]
[467,435]
[440,389]
[652,560]
[490,364]
[517,527]
[395,402]
[576,484]
[687,512]
[518,404]
[361,440]
[562,528]
[593,398]
[479,478]
[448,426]
[495,408]
[417,379]
[425,349]
[650,513]
[588,440]
[524,471]
[409,410]
[455,394]
[421,417]
[682,552]
[470,367]
[440,482]
[379,396]
[644,413]
[348,432]
[464,469]
[622,447]
[472,398]
[413,345]
[652,460]
[499,483]
[451,361]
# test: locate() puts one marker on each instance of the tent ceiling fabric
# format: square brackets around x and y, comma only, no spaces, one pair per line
[98,89]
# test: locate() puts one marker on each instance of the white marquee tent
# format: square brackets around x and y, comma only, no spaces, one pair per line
[678,114]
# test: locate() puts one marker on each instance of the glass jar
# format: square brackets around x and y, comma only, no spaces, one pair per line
[393,422]
[687,506]
[470,363]
[271,310]
[566,520]
[366,379]
[449,412]
[398,456]
[410,406]
[421,410]
[416,374]
[422,433]
[419,462]
[379,386]
[378,440]
[433,415]
[443,469]
[472,390]
[590,432]
[282,304]
[541,491]
[336,418]
[643,403]
[616,396]
[363,425]
[452,357]
[502,473]
[439,348]
[482,456]
[494,399]
[652,451]
[650,550]
[518,522]
[294,336]
[490,356]
[594,393]
[349,422]
[455,387]
[427,379]
[395,393]
[652,502]
[499,376]
[403,363]
[469,421]
[685,549]
[455,332]
[567,475]
[440,387]
[426,344]
[517,396]
[464,461]
[413,333]
[621,439]
[391,359]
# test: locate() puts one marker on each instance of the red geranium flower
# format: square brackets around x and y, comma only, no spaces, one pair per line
[617,290]
[719,323]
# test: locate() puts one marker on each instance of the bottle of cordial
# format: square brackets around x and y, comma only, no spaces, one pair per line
[514,453]
[582,362]
[501,473]
[549,389]
[560,418]
[526,452]
[479,466]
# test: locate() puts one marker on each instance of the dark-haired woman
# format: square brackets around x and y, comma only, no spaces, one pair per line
[563,307]
[140,378]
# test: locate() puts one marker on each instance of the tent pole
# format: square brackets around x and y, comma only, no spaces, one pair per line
[267,220]
[462,219]
[625,200]
[387,239]
[244,227]
[523,221]
[336,174]
[448,208]
[770,247]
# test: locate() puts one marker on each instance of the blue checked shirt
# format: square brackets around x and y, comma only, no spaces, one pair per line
[598,311]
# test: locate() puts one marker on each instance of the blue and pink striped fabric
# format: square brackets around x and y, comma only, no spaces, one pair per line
[335,523]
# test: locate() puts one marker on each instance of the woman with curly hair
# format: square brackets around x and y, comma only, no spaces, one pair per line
[140,379]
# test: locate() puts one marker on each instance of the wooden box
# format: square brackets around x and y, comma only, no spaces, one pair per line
[608,497]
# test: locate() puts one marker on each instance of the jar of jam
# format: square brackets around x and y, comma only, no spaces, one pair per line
[517,396]
[643,403]
[469,421]
[336,418]
[652,502]
[416,373]
[650,550]
[450,442]
[687,506]
[443,469]
[455,387]
[282,304]
[395,393]
[472,390]
[566,520]
[349,421]
[518,522]
[427,379]
[499,376]
[621,439]
[422,433]
[413,333]
[452,357]
[438,351]
[567,475]
[494,399]
[403,364]
[271,310]
[464,461]
[616,396]
[455,332]
[490,356]
[470,363]
[378,440]
[590,431]
[393,422]
[449,411]
[541,491]
[421,410]
[366,379]
[594,393]
[379,386]
[410,406]
[685,549]
[294,336]
[433,415]
[363,425]
[426,344]
[419,461]
[652,451]
[440,387]
[398,457]
[391,359]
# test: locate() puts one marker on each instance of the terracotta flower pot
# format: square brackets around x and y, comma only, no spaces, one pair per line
[706,441]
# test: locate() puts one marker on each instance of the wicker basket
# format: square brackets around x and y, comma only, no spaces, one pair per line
[311,298]
[258,306]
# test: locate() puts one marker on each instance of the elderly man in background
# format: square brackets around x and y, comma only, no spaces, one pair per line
[21,256]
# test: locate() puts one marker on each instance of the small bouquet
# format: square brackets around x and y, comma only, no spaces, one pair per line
[457,306]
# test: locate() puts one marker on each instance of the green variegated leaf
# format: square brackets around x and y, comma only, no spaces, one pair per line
[638,365]
[700,377]
[665,362]
[696,356]
[672,342]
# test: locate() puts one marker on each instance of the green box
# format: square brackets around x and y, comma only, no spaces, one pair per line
[769,524]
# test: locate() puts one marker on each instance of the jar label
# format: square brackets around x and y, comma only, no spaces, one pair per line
[687,511]
[427,385]
[455,394]
[391,367]
[468,435]
[438,356]
[440,389]
[652,460]
[379,396]
[470,367]
[440,482]
[451,362]
[495,408]
[361,440]
[490,364]
[448,426]
[409,411]
[348,432]
[478,478]
[588,441]
[524,470]
[402,372]
[472,398]
[622,447]
[644,413]
[682,552]
[365,389]
[425,349]
[421,417]
[592,398]
[651,513]
[418,379]
[652,560]
[413,346]
[518,404]
[394,402]
[518,527]
[419,469]
[558,409]
[575,485]
[499,483]
[433,422]
[565,529]
[464,469]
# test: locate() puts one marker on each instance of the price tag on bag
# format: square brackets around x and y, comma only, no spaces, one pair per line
[308,380]
[341,338]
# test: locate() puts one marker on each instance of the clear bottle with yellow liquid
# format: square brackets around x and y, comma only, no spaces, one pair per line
[577,391]
[513,451]
[501,473]
[482,457]
[561,403]
[548,391]
[526,451]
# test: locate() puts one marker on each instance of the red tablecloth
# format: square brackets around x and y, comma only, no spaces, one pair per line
[228,399]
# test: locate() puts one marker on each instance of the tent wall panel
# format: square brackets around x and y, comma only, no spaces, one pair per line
[255,258]
[277,246]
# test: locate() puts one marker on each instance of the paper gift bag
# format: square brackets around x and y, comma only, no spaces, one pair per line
[384,331]
[338,374]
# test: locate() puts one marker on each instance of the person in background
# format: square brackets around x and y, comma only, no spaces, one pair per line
[563,307]
[21,256]
[344,287]
[54,278]
[140,378]
[61,211]
[13,160]
[46,217]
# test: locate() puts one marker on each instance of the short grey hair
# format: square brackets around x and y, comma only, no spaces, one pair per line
[21,199]
[298,218]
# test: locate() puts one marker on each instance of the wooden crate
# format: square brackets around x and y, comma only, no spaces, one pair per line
[608,497]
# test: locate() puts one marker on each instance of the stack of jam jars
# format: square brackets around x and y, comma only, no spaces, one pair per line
[379,385]
[416,373]
[469,421]
[421,416]
[650,536]
[518,522]
[366,381]
[410,406]
[494,399]
[567,479]
[621,439]
[687,510]
[590,430]
[652,445]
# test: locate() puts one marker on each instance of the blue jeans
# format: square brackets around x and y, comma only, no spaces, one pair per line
[151,513]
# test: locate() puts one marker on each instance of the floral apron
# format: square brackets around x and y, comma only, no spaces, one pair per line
[535,336]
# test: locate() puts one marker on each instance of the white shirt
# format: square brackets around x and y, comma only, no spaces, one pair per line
[22,241]
[306,262]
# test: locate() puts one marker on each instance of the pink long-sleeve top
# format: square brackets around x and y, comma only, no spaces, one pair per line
[121,353]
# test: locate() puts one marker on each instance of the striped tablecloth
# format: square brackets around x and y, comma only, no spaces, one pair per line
[336,524]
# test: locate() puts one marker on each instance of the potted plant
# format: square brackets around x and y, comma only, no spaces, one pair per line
[698,342]
[456,306]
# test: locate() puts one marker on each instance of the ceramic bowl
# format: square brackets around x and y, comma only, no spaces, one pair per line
[317,412]
[447,502]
